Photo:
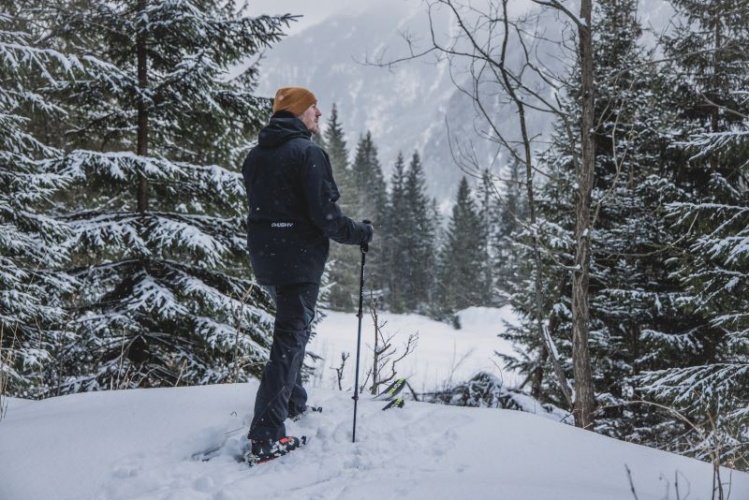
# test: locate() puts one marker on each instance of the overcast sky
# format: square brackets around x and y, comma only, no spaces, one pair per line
[313,11]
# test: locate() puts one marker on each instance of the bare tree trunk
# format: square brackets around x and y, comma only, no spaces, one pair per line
[584,397]
[142,138]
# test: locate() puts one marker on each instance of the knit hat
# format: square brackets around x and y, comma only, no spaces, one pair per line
[295,100]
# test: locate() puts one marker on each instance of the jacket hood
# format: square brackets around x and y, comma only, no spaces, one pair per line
[282,127]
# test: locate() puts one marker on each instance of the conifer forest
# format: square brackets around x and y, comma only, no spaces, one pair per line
[621,240]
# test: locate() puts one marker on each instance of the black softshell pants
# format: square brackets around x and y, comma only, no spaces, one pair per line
[281,394]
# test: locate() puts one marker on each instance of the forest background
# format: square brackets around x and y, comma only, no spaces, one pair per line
[622,243]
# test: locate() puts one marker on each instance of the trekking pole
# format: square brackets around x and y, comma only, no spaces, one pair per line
[364,248]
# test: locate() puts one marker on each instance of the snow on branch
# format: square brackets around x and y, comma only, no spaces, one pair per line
[126,167]
[708,144]
[685,385]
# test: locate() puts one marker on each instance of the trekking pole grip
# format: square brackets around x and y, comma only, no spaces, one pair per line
[364,247]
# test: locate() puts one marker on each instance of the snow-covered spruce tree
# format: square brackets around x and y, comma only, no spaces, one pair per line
[394,252]
[509,211]
[538,284]
[418,238]
[463,257]
[32,316]
[344,259]
[409,239]
[489,203]
[554,208]
[337,149]
[370,204]
[706,377]
[155,133]
[504,211]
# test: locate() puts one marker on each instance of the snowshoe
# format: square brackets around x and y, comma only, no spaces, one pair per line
[264,451]
[393,389]
[395,403]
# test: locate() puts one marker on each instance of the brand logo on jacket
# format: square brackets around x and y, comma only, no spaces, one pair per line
[282,225]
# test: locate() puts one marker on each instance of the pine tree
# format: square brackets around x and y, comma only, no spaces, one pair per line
[338,153]
[371,203]
[553,229]
[370,185]
[508,216]
[32,316]
[394,229]
[156,215]
[344,259]
[490,210]
[418,239]
[705,363]
[409,239]
[463,257]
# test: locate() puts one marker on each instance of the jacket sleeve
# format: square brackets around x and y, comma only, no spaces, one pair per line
[321,194]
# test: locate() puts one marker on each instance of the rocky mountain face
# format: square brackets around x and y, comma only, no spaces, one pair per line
[421,104]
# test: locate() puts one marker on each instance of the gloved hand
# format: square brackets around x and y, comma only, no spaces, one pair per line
[369,235]
[370,230]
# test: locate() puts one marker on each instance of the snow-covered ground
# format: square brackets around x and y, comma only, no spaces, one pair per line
[139,444]
[442,356]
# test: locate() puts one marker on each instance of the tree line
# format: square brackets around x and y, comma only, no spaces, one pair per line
[421,260]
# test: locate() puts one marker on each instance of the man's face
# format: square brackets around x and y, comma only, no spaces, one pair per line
[310,118]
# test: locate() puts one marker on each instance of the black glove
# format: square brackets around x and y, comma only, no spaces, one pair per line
[370,231]
[369,234]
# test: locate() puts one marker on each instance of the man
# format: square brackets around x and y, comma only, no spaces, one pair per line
[293,216]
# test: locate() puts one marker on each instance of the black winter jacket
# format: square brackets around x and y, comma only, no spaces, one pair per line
[292,200]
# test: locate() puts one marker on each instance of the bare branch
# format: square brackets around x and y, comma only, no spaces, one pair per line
[560,7]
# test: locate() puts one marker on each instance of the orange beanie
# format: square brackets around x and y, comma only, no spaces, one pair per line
[295,100]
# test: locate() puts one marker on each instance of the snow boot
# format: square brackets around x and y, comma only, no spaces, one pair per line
[263,451]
